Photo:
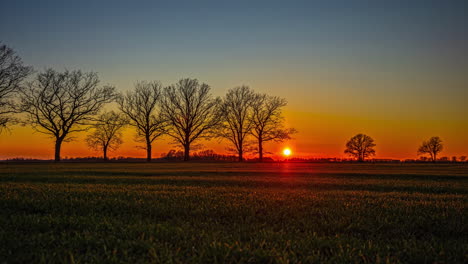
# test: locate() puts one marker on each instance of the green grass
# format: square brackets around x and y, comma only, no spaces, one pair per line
[229,213]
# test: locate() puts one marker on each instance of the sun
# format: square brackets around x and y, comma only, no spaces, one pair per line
[287,152]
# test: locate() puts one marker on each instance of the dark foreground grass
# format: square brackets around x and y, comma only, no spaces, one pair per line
[226,213]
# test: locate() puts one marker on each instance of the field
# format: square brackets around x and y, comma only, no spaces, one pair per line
[230,212]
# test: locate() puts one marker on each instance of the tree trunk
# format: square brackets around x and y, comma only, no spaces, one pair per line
[260,150]
[360,158]
[241,158]
[434,159]
[105,153]
[148,150]
[187,152]
[58,145]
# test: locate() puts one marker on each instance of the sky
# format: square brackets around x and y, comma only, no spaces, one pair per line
[395,70]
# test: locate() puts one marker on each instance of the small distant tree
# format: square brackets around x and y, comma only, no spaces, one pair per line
[268,122]
[444,159]
[61,103]
[12,74]
[191,113]
[107,133]
[173,155]
[142,106]
[423,158]
[360,147]
[207,154]
[462,158]
[433,146]
[236,126]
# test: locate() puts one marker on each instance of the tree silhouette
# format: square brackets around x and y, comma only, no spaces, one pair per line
[61,103]
[107,133]
[191,112]
[12,73]
[268,122]
[236,110]
[432,147]
[142,107]
[360,147]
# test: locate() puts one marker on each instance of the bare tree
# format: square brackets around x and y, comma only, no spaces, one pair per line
[107,133]
[236,110]
[12,73]
[142,107]
[61,103]
[268,122]
[191,112]
[432,147]
[361,147]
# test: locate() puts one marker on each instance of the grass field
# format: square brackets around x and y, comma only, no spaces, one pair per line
[230,212]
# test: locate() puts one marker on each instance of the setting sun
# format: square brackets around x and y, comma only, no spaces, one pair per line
[286,152]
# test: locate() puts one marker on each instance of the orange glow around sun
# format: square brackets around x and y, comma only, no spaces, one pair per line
[287,152]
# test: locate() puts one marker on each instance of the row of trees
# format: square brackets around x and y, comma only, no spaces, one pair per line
[60,104]
[362,146]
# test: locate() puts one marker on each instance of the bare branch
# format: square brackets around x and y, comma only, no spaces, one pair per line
[268,122]
[236,110]
[107,133]
[12,74]
[361,147]
[61,103]
[142,107]
[432,147]
[191,112]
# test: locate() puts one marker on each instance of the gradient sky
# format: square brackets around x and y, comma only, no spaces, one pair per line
[395,70]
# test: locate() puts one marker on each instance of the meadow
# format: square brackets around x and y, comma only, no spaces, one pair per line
[232,212]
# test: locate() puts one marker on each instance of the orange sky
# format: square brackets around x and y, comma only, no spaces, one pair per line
[320,135]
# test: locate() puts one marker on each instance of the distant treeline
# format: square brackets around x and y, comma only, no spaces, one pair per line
[211,156]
